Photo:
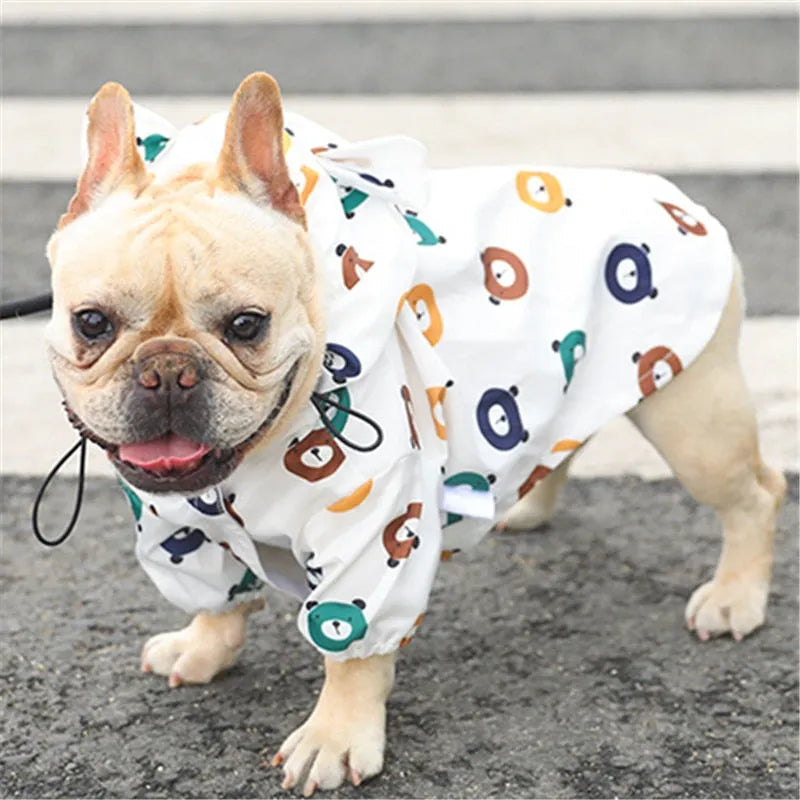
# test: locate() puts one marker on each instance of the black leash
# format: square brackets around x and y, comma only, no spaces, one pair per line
[28,305]
[44,302]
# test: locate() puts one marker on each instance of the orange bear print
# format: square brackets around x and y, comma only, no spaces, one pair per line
[656,368]
[436,395]
[542,191]
[423,304]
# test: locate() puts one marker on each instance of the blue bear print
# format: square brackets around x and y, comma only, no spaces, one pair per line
[184,541]
[499,419]
[341,362]
[629,276]
[335,626]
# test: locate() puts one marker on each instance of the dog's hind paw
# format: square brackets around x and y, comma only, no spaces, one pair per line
[735,607]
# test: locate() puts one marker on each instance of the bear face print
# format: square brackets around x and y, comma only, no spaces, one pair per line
[335,626]
[423,304]
[629,276]
[400,535]
[341,362]
[474,481]
[542,191]
[337,417]
[152,145]
[314,574]
[248,583]
[505,276]
[351,264]
[134,500]
[213,503]
[314,457]
[209,503]
[405,392]
[351,200]
[184,541]
[426,236]
[686,222]
[539,473]
[572,348]
[310,179]
[499,420]
[656,368]
[436,395]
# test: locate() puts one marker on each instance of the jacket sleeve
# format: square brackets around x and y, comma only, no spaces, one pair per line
[176,546]
[373,566]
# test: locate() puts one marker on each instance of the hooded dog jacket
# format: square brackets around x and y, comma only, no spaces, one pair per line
[482,323]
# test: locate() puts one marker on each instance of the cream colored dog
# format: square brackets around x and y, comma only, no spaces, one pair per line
[136,297]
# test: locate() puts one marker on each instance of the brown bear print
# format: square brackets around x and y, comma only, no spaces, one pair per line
[539,473]
[351,261]
[314,457]
[505,276]
[400,536]
[686,222]
[404,391]
[656,368]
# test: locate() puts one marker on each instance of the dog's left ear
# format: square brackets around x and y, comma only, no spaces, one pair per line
[251,159]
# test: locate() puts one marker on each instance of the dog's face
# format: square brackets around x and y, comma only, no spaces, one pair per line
[186,324]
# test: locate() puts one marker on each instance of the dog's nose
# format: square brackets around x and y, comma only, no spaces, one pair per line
[167,376]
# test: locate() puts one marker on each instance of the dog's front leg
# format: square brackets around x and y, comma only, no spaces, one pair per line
[345,731]
[208,645]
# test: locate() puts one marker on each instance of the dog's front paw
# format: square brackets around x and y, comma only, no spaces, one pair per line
[737,607]
[201,650]
[329,748]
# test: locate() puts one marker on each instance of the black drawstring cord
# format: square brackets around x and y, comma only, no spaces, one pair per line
[81,443]
[29,305]
[321,400]
[44,302]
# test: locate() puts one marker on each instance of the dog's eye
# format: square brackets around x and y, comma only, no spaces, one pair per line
[248,327]
[92,325]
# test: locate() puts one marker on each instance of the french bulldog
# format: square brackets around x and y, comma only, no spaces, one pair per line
[193,328]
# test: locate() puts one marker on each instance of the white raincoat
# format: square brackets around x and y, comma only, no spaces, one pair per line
[486,320]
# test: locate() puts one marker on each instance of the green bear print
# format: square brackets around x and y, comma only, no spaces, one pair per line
[335,626]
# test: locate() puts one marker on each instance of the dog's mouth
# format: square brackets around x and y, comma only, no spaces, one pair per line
[173,463]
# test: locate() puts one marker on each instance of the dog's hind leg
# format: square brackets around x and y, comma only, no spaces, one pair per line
[703,423]
[208,645]
[536,507]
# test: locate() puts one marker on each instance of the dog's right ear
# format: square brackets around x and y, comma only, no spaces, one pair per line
[114,161]
[251,159]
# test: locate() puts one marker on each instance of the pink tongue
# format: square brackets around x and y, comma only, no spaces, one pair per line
[170,452]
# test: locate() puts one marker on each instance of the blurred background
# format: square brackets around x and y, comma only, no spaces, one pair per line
[703,91]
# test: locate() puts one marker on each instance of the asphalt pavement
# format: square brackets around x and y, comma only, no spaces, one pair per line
[550,664]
